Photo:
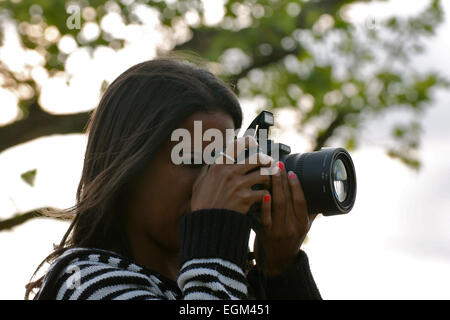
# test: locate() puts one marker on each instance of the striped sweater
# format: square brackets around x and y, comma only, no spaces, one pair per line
[212,258]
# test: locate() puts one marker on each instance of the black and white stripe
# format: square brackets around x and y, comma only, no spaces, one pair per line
[94,274]
[217,278]
[212,254]
[213,249]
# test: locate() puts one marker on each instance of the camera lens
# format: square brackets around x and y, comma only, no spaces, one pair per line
[340,182]
[327,177]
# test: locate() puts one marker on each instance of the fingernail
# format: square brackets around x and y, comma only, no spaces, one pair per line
[291,175]
[280,165]
[267,198]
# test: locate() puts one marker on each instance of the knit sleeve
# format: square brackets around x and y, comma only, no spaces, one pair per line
[213,253]
[92,274]
[294,283]
[213,248]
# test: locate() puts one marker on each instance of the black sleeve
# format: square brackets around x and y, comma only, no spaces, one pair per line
[294,283]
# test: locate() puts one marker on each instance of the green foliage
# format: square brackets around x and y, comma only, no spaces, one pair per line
[303,55]
[29,177]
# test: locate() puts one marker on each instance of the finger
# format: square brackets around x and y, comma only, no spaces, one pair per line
[242,144]
[250,197]
[201,175]
[257,160]
[255,177]
[298,198]
[237,146]
[266,218]
[234,152]
[278,197]
[224,158]
[311,218]
[286,191]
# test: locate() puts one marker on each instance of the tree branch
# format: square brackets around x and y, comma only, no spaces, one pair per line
[323,136]
[40,123]
[18,219]
[263,62]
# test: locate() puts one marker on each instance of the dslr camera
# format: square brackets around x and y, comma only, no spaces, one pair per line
[327,176]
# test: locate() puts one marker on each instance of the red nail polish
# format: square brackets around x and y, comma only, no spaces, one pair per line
[266,198]
[291,175]
[280,165]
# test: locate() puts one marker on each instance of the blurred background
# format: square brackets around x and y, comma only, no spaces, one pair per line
[371,76]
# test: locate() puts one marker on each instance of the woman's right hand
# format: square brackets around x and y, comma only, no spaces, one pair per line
[228,186]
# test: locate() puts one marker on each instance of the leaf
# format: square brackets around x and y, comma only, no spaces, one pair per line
[399,132]
[282,50]
[104,86]
[407,159]
[351,143]
[29,177]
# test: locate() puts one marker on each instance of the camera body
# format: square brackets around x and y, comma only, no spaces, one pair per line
[327,176]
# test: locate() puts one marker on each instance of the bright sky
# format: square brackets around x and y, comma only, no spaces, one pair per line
[394,244]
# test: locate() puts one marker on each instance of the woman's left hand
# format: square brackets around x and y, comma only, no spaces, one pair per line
[285,221]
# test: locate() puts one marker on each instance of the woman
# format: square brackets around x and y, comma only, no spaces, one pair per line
[146,228]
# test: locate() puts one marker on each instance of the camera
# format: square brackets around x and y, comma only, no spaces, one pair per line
[327,176]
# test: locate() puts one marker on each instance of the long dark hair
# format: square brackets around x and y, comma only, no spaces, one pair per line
[136,114]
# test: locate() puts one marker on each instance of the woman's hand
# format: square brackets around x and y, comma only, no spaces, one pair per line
[285,221]
[228,186]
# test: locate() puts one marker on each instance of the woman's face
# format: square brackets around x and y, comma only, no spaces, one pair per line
[162,195]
